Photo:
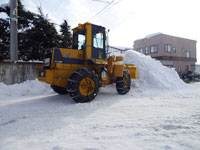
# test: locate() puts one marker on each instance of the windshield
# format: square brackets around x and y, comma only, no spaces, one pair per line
[98,40]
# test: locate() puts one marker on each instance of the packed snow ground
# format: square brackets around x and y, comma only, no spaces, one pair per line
[157,114]
[28,88]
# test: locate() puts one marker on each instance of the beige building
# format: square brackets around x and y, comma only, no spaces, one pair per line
[172,51]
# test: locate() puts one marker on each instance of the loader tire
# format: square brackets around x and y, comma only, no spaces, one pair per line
[59,90]
[123,84]
[83,85]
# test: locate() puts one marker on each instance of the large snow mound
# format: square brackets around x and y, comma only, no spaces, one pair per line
[152,74]
[27,88]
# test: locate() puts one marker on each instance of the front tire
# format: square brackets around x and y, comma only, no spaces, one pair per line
[83,85]
[123,84]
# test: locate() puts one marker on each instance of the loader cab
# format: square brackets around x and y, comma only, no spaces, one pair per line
[92,40]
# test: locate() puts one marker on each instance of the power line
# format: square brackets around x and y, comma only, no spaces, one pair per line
[112,6]
[103,1]
[101,11]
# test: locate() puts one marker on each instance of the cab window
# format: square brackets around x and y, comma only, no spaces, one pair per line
[79,40]
[98,40]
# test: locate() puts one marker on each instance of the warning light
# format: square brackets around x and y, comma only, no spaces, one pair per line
[41,66]
[81,26]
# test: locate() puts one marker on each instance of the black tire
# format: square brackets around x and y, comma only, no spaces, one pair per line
[59,90]
[123,84]
[83,85]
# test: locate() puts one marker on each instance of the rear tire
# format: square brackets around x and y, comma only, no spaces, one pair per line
[123,84]
[83,85]
[59,90]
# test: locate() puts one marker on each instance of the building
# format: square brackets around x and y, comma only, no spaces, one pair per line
[176,52]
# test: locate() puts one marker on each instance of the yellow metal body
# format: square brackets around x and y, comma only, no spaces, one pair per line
[63,62]
[118,70]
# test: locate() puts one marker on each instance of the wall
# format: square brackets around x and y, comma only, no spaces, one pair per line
[179,44]
[11,73]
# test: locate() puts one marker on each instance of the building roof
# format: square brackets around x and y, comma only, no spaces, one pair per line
[158,34]
[152,35]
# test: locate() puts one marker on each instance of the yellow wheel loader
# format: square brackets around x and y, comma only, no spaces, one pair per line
[82,70]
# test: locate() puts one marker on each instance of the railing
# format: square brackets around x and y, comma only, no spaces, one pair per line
[114,50]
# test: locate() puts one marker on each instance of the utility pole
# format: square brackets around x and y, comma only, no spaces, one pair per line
[65,44]
[13,31]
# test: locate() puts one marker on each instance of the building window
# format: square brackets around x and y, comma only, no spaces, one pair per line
[183,50]
[146,50]
[188,54]
[154,49]
[179,69]
[186,69]
[140,50]
[174,49]
[167,48]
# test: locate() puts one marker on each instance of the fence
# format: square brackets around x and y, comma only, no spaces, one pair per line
[11,73]
[114,50]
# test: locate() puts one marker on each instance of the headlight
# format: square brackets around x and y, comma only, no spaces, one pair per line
[42,74]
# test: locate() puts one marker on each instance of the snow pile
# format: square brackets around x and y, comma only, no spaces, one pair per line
[27,88]
[152,74]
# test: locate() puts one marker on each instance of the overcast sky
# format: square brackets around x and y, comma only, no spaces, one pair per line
[128,20]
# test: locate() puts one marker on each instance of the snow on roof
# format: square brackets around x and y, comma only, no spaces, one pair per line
[5,5]
[152,35]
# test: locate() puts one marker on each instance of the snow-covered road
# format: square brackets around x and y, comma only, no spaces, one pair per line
[158,120]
